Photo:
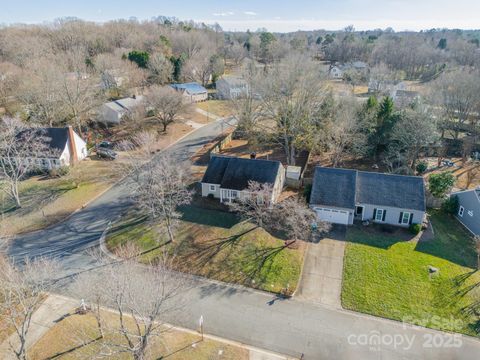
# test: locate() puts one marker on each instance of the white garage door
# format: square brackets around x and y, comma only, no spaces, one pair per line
[332,215]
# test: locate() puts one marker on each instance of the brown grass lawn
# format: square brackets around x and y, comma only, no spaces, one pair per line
[215,244]
[221,108]
[64,341]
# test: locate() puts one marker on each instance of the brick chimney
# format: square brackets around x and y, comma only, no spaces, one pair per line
[72,147]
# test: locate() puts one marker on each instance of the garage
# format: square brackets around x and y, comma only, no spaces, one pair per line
[332,215]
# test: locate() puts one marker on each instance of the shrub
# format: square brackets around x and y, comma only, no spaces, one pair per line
[141,58]
[59,172]
[450,205]
[415,228]
[441,183]
[210,196]
[421,167]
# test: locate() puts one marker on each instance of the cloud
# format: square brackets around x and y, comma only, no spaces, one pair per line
[227,13]
[251,13]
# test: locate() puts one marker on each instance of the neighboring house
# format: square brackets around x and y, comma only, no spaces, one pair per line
[65,148]
[114,111]
[341,195]
[193,91]
[469,209]
[385,87]
[403,98]
[231,87]
[227,178]
[337,71]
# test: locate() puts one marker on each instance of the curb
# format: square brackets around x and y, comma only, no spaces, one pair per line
[206,336]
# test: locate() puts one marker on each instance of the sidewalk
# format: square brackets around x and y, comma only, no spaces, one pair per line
[208,114]
[55,307]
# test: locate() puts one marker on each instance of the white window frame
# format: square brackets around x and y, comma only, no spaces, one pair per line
[461,210]
[379,211]
[212,187]
[233,194]
[408,218]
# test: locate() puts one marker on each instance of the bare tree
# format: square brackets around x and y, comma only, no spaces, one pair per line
[79,89]
[139,298]
[160,188]
[161,68]
[296,219]
[166,104]
[22,289]
[41,90]
[256,206]
[415,130]
[236,52]
[291,94]
[344,133]
[457,93]
[20,147]
[247,106]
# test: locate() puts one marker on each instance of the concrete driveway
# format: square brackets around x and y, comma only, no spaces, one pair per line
[321,280]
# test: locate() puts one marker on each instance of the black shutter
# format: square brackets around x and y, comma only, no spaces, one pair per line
[411,219]
[401,217]
[384,213]
[374,214]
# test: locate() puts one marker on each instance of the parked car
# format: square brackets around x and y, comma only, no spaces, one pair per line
[105,153]
[105,145]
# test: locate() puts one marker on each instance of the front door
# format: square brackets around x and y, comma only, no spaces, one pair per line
[359,212]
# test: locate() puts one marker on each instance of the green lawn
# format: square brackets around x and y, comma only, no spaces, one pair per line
[217,245]
[385,275]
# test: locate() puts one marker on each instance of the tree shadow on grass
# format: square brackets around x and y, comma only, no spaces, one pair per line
[201,254]
[73,349]
[197,215]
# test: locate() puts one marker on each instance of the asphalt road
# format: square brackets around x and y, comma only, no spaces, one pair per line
[290,327]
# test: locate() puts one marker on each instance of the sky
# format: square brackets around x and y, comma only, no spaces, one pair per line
[275,15]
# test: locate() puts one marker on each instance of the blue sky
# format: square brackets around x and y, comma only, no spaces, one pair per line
[275,15]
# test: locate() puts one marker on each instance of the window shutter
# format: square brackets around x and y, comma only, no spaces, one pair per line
[401,217]
[384,213]
[411,219]
[374,214]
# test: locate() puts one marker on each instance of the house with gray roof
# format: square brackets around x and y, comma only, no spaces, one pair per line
[231,87]
[341,195]
[469,209]
[63,147]
[114,112]
[192,91]
[227,178]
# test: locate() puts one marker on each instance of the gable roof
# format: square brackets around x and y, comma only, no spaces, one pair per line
[192,88]
[235,173]
[55,138]
[333,187]
[345,188]
[406,192]
[126,104]
[233,81]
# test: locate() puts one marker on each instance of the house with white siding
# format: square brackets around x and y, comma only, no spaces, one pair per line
[227,178]
[64,147]
[341,195]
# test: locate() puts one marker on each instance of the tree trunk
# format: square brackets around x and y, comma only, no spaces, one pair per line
[16,195]
[169,229]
